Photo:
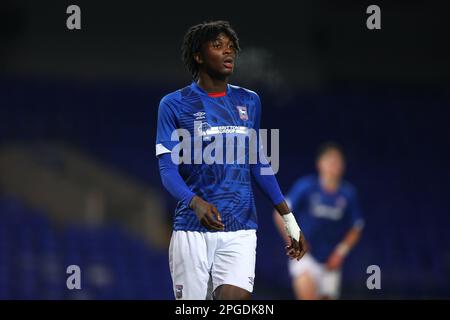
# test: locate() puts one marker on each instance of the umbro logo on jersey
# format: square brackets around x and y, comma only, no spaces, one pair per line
[251,280]
[199,115]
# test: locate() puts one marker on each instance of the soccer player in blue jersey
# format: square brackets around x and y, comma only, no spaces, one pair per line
[331,222]
[212,251]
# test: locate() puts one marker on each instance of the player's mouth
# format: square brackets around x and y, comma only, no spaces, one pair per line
[228,62]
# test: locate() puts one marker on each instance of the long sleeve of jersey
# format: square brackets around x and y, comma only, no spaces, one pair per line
[267,182]
[172,180]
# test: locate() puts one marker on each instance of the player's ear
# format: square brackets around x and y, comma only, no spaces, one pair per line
[198,58]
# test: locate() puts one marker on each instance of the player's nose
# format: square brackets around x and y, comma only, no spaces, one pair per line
[228,51]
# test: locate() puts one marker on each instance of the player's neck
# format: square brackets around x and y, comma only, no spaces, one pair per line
[212,85]
[329,184]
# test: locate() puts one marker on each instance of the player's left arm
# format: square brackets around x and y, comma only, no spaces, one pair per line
[265,178]
[296,246]
[351,238]
[337,257]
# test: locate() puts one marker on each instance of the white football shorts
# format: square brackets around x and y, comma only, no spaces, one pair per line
[328,282]
[202,261]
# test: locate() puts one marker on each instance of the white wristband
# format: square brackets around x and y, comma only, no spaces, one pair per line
[292,228]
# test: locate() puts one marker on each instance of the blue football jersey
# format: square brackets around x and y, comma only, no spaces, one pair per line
[324,217]
[227,186]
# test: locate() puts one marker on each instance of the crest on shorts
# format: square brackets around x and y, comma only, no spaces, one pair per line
[179,291]
[242,112]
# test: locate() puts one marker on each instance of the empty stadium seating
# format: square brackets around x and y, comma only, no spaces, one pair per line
[34,256]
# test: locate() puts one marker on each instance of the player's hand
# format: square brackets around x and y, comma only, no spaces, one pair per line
[296,249]
[207,214]
[334,261]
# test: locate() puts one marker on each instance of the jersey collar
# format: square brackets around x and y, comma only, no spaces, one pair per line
[196,88]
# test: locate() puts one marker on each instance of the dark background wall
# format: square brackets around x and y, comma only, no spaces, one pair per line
[300,42]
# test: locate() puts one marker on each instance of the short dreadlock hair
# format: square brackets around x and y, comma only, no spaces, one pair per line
[199,34]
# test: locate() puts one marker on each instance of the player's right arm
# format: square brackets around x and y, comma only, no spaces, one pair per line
[207,213]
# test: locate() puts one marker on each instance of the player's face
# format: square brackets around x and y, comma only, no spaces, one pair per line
[331,165]
[218,56]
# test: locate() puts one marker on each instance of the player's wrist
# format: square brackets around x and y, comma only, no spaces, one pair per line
[291,225]
[193,202]
[342,249]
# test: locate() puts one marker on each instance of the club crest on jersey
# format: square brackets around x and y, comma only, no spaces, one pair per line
[203,129]
[242,112]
